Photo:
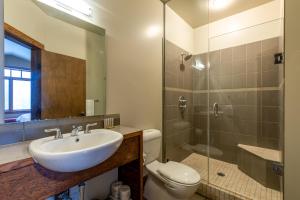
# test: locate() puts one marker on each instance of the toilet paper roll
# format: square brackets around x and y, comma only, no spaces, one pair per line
[125,192]
[115,189]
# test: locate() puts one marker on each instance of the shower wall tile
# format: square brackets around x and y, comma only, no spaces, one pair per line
[270,78]
[178,125]
[254,64]
[239,66]
[239,53]
[270,98]
[270,130]
[226,55]
[271,46]
[253,80]
[253,98]
[254,50]
[268,63]
[239,81]
[270,114]
[251,113]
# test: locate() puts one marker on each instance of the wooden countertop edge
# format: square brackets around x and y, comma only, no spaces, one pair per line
[6,167]
[16,165]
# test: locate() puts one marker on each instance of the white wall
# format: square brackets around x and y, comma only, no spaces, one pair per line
[178,31]
[292,99]
[259,23]
[53,33]
[134,69]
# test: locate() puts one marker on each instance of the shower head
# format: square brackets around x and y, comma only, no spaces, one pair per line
[187,57]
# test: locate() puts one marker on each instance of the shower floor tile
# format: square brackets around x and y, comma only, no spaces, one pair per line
[235,182]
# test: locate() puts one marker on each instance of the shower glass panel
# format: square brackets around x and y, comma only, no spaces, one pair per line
[246,97]
[223,91]
[186,84]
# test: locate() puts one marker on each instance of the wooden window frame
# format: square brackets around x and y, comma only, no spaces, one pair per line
[36,48]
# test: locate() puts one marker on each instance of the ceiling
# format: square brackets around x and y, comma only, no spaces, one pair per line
[195,12]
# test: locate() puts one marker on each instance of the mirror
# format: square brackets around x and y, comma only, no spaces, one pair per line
[54,61]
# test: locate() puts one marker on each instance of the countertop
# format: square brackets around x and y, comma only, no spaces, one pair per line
[19,151]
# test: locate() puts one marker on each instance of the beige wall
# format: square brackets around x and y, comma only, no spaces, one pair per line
[53,33]
[134,59]
[256,24]
[292,100]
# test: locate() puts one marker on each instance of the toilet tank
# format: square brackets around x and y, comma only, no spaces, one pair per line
[152,145]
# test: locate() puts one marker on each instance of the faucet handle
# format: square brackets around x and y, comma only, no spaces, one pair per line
[75,130]
[57,130]
[87,127]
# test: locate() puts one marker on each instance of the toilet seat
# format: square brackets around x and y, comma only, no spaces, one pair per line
[179,173]
[174,173]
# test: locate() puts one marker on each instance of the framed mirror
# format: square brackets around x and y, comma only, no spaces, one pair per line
[54,62]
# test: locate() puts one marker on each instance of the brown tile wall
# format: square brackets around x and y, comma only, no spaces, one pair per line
[178,127]
[246,84]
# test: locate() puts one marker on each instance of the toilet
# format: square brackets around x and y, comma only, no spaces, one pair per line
[166,181]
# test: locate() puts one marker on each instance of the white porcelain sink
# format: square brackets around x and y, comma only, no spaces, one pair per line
[76,153]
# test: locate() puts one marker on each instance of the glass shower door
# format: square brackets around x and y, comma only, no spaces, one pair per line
[246,100]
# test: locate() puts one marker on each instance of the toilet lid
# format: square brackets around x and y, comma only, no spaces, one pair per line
[179,173]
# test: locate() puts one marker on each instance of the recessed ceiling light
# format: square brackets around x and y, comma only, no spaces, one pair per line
[219,4]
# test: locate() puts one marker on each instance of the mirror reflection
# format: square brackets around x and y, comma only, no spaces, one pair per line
[54,63]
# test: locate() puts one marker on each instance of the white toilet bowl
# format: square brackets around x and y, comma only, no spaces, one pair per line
[166,181]
[170,181]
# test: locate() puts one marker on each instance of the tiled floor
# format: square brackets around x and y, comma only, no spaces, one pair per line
[198,197]
[234,181]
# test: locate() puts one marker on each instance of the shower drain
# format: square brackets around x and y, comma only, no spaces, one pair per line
[221,174]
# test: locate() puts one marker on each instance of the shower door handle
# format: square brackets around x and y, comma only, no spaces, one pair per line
[216,109]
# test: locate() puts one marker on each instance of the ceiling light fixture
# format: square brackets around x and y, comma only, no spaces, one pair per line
[219,4]
[74,6]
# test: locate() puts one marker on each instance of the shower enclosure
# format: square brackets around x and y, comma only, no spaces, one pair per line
[223,94]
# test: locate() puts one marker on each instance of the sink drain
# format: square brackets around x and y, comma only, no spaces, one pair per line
[221,174]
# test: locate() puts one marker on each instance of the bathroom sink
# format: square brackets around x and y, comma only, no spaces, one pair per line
[75,153]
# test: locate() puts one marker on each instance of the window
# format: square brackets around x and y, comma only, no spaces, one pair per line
[17,89]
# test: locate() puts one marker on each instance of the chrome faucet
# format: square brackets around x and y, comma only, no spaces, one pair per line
[75,130]
[87,127]
[57,130]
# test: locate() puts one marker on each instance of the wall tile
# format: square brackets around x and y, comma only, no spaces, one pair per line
[253,80]
[239,81]
[271,46]
[254,64]
[239,52]
[171,80]
[268,63]
[270,98]
[253,50]
[226,55]
[253,98]
[270,114]
[239,67]
[11,133]
[270,78]
[35,129]
[238,98]
[270,130]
